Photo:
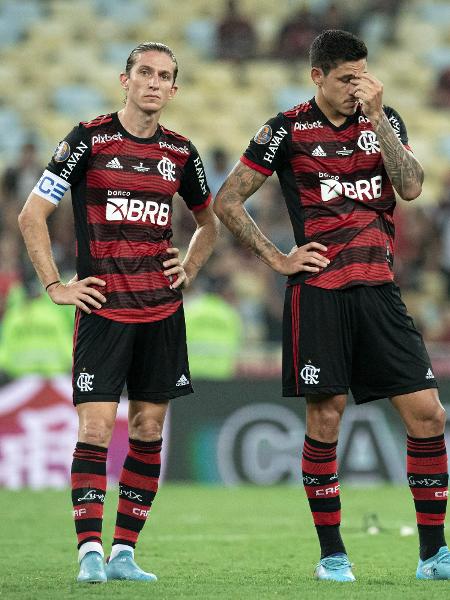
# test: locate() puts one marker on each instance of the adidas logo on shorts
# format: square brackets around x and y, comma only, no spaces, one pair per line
[429,374]
[183,381]
[114,164]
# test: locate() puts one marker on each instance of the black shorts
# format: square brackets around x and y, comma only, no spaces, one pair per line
[150,357]
[360,338]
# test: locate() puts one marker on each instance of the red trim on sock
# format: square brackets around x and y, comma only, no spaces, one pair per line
[327,518]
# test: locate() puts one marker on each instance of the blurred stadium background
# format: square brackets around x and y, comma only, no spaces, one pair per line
[239,64]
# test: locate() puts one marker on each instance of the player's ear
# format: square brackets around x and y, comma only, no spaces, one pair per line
[317,76]
[124,80]
[173,91]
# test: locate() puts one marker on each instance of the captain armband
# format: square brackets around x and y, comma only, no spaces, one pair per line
[51,187]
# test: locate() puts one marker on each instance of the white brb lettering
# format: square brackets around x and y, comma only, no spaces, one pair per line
[137,210]
[362,189]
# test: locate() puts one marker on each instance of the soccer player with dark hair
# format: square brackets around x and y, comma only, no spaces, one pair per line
[339,158]
[123,170]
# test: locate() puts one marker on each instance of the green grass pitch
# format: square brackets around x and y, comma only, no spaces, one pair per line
[213,542]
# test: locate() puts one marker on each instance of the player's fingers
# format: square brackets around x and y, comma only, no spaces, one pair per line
[171,262]
[315,246]
[319,257]
[310,269]
[85,298]
[94,293]
[82,306]
[174,271]
[93,281]
[179,282]
[173,250]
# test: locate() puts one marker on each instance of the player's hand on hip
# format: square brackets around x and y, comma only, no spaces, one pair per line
[369,92]
[305,258]
[174,270]
[81,293]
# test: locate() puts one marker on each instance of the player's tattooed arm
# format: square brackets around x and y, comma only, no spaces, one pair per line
[240,184]
[404,170]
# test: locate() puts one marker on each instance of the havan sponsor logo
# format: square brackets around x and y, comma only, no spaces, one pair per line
[73,160]
[275,144]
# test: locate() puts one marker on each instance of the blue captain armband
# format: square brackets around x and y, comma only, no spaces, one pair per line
[51,187]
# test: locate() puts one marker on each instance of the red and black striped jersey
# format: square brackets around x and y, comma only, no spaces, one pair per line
[336,189]
[122,189]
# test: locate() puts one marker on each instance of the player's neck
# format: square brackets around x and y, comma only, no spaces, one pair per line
[331,114]
[138,123]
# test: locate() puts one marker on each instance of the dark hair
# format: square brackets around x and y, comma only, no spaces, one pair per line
[149,46]
[334,46]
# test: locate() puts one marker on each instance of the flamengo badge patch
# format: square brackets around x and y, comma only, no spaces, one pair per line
[264,135]
[62,152]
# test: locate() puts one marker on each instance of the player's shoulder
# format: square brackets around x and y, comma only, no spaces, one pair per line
[394,119]
[302,109]
[169,133]
[97,121]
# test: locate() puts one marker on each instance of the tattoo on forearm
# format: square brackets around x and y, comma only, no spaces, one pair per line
[242,183]
[403,169]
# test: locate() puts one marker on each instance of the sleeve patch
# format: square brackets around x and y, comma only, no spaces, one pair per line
[51,187]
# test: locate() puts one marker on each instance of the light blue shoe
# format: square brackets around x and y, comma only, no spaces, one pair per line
[92,569]
[336,567]
[436,567]
[123,567]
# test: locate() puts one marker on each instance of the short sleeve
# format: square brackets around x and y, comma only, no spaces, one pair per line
[194,187]
[66,167]
[268,149]
[398,125]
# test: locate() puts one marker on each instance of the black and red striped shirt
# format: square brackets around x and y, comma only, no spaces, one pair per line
[122,189]
[336,189]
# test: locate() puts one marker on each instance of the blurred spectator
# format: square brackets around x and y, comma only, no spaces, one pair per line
[213,328]
[441,96]
[36,334]
[19,179]
[441,218]
[380,22]
[296,35]
[217,169]
[236,36]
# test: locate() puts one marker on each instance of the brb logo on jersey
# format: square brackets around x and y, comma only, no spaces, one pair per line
[362,189]
[121,209]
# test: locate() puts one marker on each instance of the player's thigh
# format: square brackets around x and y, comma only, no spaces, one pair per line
[390,357]
[160,366]
[317,342]
[102,356]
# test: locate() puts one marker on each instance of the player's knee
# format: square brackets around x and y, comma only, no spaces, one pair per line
[324,426]
[97,434]
[146,430]
[430,422]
